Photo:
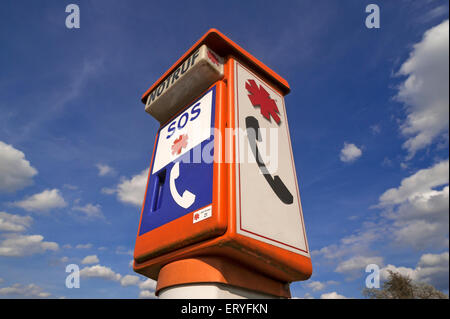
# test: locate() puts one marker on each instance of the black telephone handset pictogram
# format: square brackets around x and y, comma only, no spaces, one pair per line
[275,182]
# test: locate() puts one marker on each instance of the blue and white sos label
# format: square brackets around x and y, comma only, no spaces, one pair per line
[181,176]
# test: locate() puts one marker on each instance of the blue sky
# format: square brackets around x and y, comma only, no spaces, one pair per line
[368,114]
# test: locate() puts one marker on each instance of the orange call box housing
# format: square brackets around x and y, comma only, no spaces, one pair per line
[245,226]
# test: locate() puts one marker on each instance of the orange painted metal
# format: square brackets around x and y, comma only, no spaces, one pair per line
[222,45]
[211,269]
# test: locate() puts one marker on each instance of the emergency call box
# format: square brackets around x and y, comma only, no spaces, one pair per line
[222,179]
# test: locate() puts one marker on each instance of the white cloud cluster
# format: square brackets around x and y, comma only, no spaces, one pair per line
[98,271]
[425,91]
[357,244]
[122,250]
[130,191]
[147,287]
[90,211]
[13,244]
[83,246]
[29,291]
[318,285]
[419,207]
[332,295]
[43,202]
[14,223]
[16,245]
[414,214]
[15,171]
[91,259]
[357,264]
[431,269]
[130,280]
[305,296]
[422,181]
[350,152]
[147,294]
[315,285]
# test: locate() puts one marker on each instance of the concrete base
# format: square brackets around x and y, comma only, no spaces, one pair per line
[210,291]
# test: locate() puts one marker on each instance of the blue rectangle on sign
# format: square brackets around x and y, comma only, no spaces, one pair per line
[181,174]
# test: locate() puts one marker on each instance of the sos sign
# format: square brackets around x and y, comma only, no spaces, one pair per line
[183,119]
[176,186]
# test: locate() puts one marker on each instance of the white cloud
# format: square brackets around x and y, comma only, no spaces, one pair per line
[15,245]
[83,246]
[14,223]
[425,91]
[318,285]
[122,250]
[332,295]
[414,214]
[431,204]
[306,296]
[376,129]
[421,234]
[133,190]
[91,259]
[357,244]
[15,171]
[315,285]
[351,254]
[104,170]
[432,260]
[431,269]
[148,288]
[130,191]
[357,264]
[90,211]
[148,284]
[129,280]
[350,152]
[43,202]
[99,271]
[404,165]
[147,294]
[29,291]
[419,208]
[423,180]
